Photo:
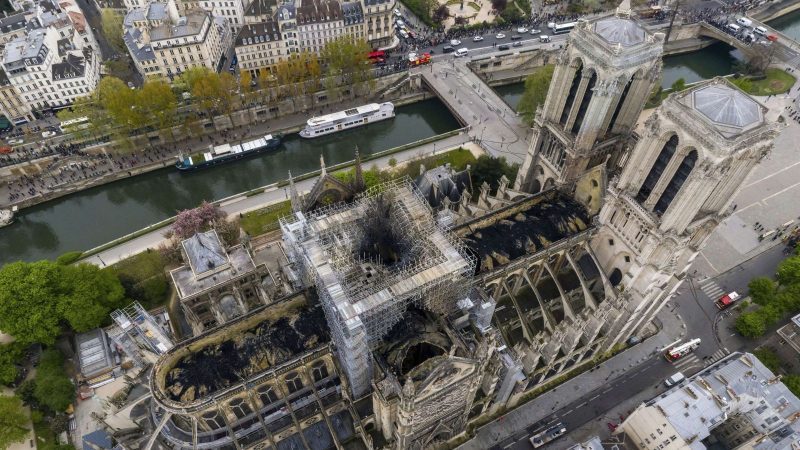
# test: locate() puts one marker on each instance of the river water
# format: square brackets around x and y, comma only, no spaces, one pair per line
[98,215]
[788,25]
[101,214]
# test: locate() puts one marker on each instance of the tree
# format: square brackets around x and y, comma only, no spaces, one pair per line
[751,325]
[93,293]
[499,5]
[489,170]
[192,221]
[157,102]
[678,85]
[441,14]
[53,387]
[10,354]
[792,382]
[348,61]
[536,87]
[36,297]
[768,358]
[762,290]
[29,298]
[111,24]
[13,421]
[789,271]
[245,84]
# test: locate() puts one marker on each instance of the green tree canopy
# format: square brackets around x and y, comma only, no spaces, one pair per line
[10,354]
[53,387]
[762,290]
[536,86]
[751,324]
[768,358]
[36,297]
[13,421]
[111,24]
[489,170]
[678,85]
[789,271]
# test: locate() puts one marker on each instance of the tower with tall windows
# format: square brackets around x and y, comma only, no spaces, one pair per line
[693,156]
[600,84]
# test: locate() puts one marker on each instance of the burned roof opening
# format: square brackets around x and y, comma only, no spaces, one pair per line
[286,331]
[381,242]
[517,233]
[413,341]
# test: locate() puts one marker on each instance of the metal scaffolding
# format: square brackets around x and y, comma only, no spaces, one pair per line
[365,295]
[139,334]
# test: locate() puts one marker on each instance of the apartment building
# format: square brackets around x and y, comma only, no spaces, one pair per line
[260,46]
[163,42]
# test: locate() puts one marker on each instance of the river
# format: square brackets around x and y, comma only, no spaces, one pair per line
[717,59]
[788,25]
[101,214]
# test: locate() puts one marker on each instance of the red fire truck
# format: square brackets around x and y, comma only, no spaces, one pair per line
[678,351]
[727,300]
[419,60]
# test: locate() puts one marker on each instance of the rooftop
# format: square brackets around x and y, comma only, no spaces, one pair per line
[738,386]
[190,24]
[728,109]
[208,264]
[94,354]
[224,357]
[24,47]
[318,11]
[70,67]
[618,30]
[513,232]
[258,33]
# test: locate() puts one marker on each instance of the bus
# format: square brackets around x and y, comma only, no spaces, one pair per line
[377,56]
[727,300]
[78,123]
[678,351]
[561,28]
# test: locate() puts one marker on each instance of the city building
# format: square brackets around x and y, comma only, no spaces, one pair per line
[95,358]
[162,42]
[274,31]
[737,403]
[141,335]
[791,333]
[12,105]
[230,10]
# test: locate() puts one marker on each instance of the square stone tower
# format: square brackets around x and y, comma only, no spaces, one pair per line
[600,84]
[692,158]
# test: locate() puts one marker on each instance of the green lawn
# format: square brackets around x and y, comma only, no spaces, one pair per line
[144,278]
[778,81]
[263,220]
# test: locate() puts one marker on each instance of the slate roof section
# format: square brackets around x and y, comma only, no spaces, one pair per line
[258,8]
[352,13]
[319,11]
[439,182]
[12,23]
[70,67]
[205,252]
[258,33]
[616,30]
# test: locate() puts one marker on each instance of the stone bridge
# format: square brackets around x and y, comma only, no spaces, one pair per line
[709,31]
[476,105]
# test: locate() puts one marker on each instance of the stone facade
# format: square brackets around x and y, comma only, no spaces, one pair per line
[601,82]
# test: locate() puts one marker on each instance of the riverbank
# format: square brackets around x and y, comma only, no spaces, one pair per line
[285,125]
[152,236]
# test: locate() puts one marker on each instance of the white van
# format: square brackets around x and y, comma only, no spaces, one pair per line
[674,379]
[544,38]
[734,28]
[760,30]
[745,22]
[463,51]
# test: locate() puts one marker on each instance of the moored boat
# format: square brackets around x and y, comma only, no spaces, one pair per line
[220,154]
[349,118]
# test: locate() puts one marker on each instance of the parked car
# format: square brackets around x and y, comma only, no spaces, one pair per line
[674,379]
[503,47]
[535,31]
[517,44]
[455,42]
[522,30]
[500,36]
[477,38]
[47,134]
[516,37]
[448,49]
[463,51]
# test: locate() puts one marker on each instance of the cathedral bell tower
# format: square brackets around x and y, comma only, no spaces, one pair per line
[693,156]
[601,81]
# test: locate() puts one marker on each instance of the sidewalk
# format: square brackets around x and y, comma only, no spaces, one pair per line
[585,384]
[240,204]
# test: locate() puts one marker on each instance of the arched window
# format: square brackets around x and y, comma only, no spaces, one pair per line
[587,98]
[616,277]
[658,168]
[619,105]
[267,395]
[676,182]
[213,420]
[240,408]
[293,383]
[320,371]
[573,91]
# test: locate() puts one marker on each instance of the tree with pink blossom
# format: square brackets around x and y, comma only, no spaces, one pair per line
[192,221]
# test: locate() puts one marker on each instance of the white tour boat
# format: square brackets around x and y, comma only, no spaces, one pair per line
[349,118]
